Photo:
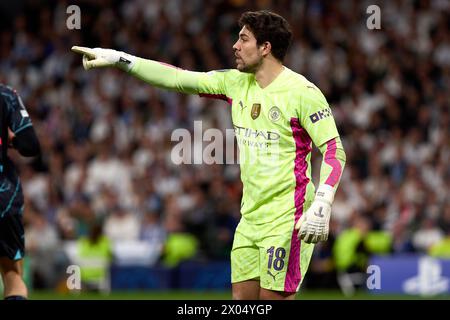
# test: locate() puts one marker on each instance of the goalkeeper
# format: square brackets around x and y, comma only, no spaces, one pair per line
[277,115]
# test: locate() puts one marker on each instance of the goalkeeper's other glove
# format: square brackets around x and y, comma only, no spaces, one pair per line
[313,225]
[98,57]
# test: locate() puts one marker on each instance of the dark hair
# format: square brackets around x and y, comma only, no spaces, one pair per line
[271,27]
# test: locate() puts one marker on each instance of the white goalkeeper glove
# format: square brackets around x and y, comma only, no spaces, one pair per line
[313,225]
[98,57]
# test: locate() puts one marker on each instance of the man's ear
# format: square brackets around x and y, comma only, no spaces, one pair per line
[266,48]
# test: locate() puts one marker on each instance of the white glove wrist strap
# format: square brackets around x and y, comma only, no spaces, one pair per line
[126,61]
[325,193]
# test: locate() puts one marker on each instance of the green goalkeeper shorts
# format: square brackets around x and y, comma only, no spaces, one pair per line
[271,254]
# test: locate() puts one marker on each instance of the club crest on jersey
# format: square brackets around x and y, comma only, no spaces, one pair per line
[274,114]
[256,110]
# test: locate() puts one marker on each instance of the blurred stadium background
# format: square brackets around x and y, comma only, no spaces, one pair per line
[165,231]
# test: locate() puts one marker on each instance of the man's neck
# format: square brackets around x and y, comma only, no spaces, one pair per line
[268,72]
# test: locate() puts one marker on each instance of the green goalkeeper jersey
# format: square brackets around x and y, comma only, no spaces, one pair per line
[274,126]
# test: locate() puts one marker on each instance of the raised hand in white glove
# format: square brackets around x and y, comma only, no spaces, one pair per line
[98,57]
[313,225]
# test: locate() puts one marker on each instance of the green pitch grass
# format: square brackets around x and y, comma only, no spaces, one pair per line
[211,295]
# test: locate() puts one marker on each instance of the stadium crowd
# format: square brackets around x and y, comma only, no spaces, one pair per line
[106,137]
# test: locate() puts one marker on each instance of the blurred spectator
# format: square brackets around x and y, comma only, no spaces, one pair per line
[352,250]
[349,251]
[43,245]
[121,225]
[152,231]
[180,245]
[441,249]
[427,235]
[93,256]
[402,242]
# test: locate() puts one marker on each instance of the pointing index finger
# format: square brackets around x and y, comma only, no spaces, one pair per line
[84,50]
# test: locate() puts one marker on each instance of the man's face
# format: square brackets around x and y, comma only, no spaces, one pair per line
[248,54]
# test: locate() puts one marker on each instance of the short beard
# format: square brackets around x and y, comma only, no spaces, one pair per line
[251,68]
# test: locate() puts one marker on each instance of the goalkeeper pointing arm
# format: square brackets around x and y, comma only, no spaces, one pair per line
[277,115]
[156,73]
